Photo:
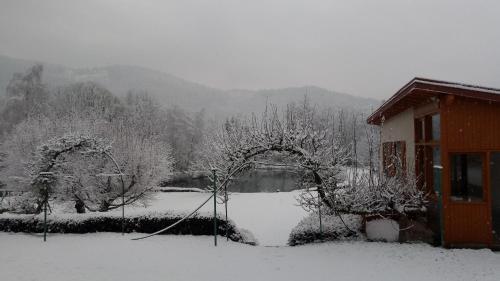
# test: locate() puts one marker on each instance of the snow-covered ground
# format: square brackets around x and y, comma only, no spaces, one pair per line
[269,216]
[110,256]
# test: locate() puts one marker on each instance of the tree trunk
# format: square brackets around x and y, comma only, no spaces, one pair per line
[104,206]
[319,181]
[79,206]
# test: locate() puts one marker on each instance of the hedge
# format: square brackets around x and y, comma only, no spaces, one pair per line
[199,224]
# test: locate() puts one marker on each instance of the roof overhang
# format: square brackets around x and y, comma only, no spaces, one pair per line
[420,91]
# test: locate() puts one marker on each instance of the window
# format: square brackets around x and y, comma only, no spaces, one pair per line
[436,127]
[436,157]
[467,177]
[428,129]
[394,157]
[419,130]
[427,151]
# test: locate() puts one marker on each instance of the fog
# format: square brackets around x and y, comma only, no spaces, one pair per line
[365,48]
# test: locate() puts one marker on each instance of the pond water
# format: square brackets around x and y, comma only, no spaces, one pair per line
[257,180]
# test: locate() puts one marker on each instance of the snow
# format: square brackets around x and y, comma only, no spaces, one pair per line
[268,216]
[460,86]
[110,256]
[382,230]
[177,189]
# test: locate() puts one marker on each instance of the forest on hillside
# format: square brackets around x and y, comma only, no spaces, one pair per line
[93,147]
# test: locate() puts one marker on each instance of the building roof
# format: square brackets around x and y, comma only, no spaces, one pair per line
[422,90]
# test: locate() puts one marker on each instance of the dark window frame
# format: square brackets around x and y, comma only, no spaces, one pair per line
[424,146]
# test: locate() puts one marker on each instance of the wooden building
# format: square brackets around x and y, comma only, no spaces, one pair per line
[448,135]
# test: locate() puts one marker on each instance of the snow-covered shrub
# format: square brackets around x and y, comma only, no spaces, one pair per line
[386,230]
[308,229]
[247,237]
[199,224]
[381,195]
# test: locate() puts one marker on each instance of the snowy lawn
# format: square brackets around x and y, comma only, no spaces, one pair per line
[269,216]
[109,256]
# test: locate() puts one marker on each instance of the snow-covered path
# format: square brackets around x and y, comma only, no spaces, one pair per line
[109,256]
[269,216]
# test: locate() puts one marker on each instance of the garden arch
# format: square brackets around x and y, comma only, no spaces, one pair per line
[49,153]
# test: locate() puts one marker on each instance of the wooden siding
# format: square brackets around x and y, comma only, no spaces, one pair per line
[472,125]
[468,125]
[467,223]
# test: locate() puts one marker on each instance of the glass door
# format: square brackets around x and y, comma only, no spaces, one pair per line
[436,182]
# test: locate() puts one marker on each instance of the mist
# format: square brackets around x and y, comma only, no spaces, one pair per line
[364,48]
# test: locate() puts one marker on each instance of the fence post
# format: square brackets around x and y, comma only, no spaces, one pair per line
[46,201]
[225,205]
[320,221]
[123,209]
[215,206]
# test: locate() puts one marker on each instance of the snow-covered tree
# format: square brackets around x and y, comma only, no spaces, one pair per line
[138,146]
[318,149]
[185,133]
[301,133]
[26,96]
[55,157]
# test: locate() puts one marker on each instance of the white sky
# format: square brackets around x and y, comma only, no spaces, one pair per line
[367,48]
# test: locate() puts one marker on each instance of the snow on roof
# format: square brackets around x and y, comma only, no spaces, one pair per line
[457,85]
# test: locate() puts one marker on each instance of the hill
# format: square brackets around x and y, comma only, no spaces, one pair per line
[170,90]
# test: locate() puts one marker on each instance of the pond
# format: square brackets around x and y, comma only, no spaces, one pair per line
[256,180]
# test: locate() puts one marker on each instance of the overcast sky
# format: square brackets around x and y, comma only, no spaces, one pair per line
[366,48]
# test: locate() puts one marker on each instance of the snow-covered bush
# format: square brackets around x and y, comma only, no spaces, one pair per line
[308,229]
[398,194]
[24,203]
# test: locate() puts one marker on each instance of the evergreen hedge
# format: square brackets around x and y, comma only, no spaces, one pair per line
[102,222]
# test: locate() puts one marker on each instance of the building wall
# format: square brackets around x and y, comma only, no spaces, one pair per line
[468,126]
[401,128]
